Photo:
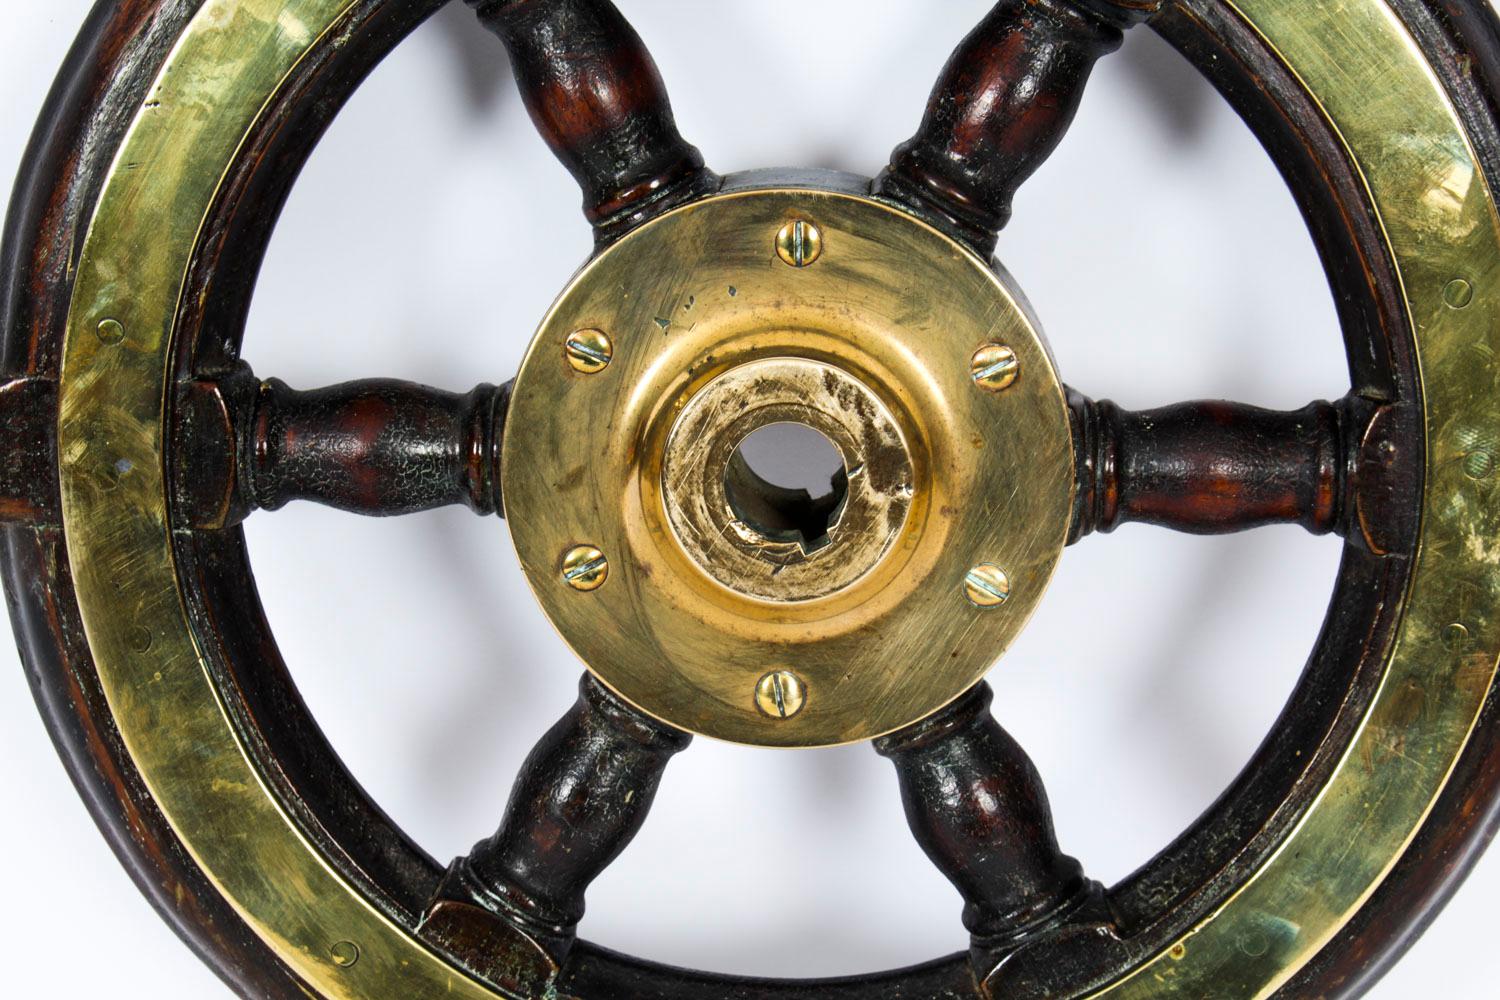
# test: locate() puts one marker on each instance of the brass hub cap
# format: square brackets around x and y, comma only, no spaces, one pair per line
[717,579]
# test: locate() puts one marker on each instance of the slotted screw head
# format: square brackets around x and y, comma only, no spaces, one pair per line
[780,694]
[994,366]
[987,586]
[584,568]
[589,351]
[799,243]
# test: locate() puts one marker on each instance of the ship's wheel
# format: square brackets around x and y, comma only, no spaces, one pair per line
[704,598]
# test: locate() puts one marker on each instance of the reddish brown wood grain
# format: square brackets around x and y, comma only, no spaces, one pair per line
[1002,104]
[1209,467]
[377,447]
[598,99]
[582,796]
[976,805]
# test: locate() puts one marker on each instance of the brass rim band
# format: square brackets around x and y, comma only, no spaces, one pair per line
[1439,218]
[207,98]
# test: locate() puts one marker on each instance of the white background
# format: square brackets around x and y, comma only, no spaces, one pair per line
[425,241]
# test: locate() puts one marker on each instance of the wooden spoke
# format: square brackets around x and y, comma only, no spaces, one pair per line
[580,799]
[977,807]
[1217,467]
[377,446]
[1001,106]
[596,96]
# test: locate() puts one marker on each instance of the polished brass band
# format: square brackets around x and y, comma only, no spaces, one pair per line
[871,343]
[1439,217]
[231,57]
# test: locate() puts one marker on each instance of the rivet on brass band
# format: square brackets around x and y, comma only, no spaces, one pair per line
[1458,293]
[111,331]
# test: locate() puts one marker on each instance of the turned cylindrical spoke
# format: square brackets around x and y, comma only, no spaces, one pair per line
[377,446]
[595,94]
[1002,104]
[581,798]
[977,808]
[1215,467]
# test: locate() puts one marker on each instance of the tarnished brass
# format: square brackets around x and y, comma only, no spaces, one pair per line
[734,531]
[110,331]
[872,347]
[1439,218]
[129,275]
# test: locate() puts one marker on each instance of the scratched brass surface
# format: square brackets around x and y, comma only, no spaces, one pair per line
[230,59]
[1439,217]
[737,529]
[877,625]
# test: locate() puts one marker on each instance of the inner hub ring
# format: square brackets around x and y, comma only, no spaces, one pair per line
[723,534]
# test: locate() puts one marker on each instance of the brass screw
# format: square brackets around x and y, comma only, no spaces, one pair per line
[994,366]
[987,586]
[780,694]
[344,954]
[589,351]
[585,568]
[799,243]
[111,331]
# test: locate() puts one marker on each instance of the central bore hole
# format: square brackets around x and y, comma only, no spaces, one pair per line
[788,482]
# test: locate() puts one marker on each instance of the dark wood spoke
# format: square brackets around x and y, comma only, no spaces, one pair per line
[1002,104]
[977,808]
[1216,467]
[511,907]
[595,94]
[377,446]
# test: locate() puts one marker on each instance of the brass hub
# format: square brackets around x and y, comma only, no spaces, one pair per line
[718,579]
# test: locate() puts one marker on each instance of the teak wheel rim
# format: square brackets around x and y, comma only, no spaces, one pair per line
[361,903]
